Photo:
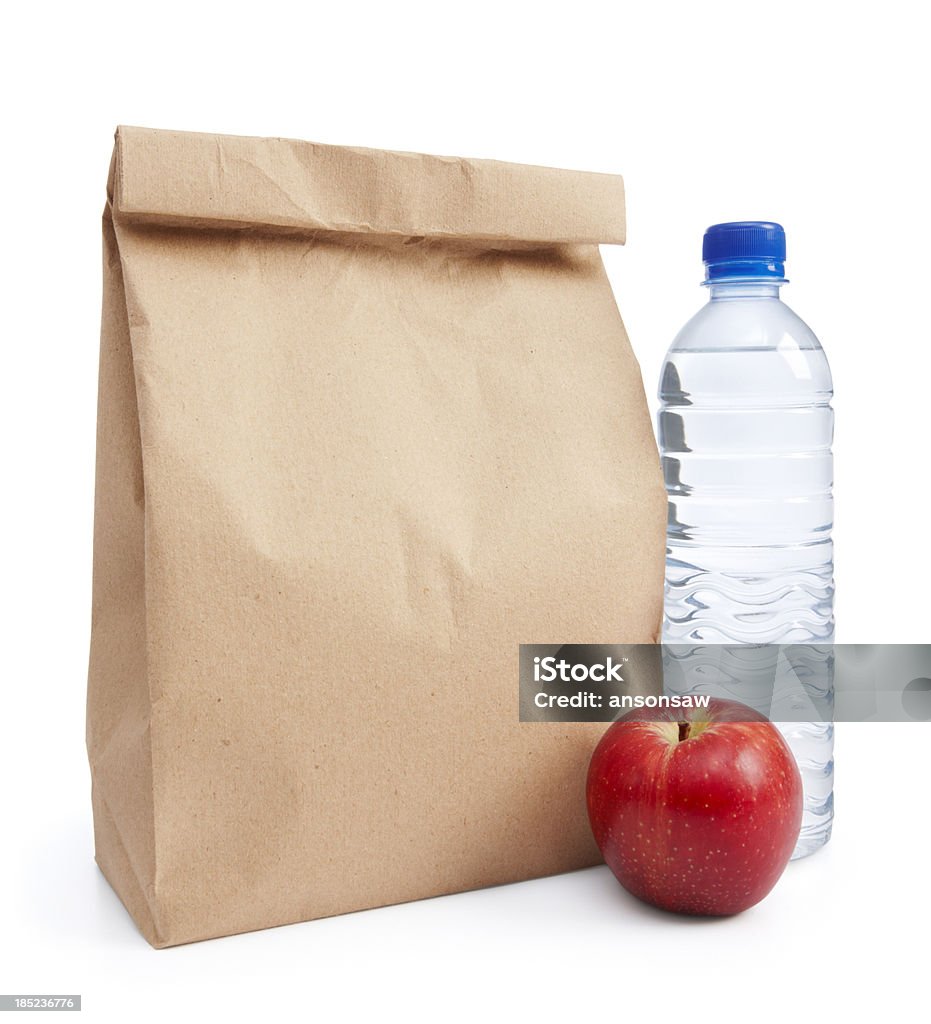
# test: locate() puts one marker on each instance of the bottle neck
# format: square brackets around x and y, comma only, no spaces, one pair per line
[744,289]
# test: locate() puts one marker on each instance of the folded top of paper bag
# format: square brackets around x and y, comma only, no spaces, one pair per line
[167,177]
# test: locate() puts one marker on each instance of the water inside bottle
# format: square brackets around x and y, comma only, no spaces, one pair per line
[746,435]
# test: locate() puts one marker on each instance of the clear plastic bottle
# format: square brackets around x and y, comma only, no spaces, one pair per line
[745,429]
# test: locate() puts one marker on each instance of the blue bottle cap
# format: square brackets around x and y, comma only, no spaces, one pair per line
[744,248]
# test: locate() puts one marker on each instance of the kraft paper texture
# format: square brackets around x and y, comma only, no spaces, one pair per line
[367,422]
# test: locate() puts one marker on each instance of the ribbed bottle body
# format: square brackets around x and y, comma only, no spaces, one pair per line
[745,430]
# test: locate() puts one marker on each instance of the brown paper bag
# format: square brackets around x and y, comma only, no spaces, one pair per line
[367,422]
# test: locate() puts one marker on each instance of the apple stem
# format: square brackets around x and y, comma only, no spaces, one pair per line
[683,731]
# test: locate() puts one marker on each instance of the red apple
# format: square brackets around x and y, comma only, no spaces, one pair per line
[695,812]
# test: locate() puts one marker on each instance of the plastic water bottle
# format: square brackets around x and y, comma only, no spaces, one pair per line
[745,429]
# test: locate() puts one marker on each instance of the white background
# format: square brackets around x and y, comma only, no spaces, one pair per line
[812,114]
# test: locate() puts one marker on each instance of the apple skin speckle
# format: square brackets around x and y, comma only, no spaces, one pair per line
[703,825]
